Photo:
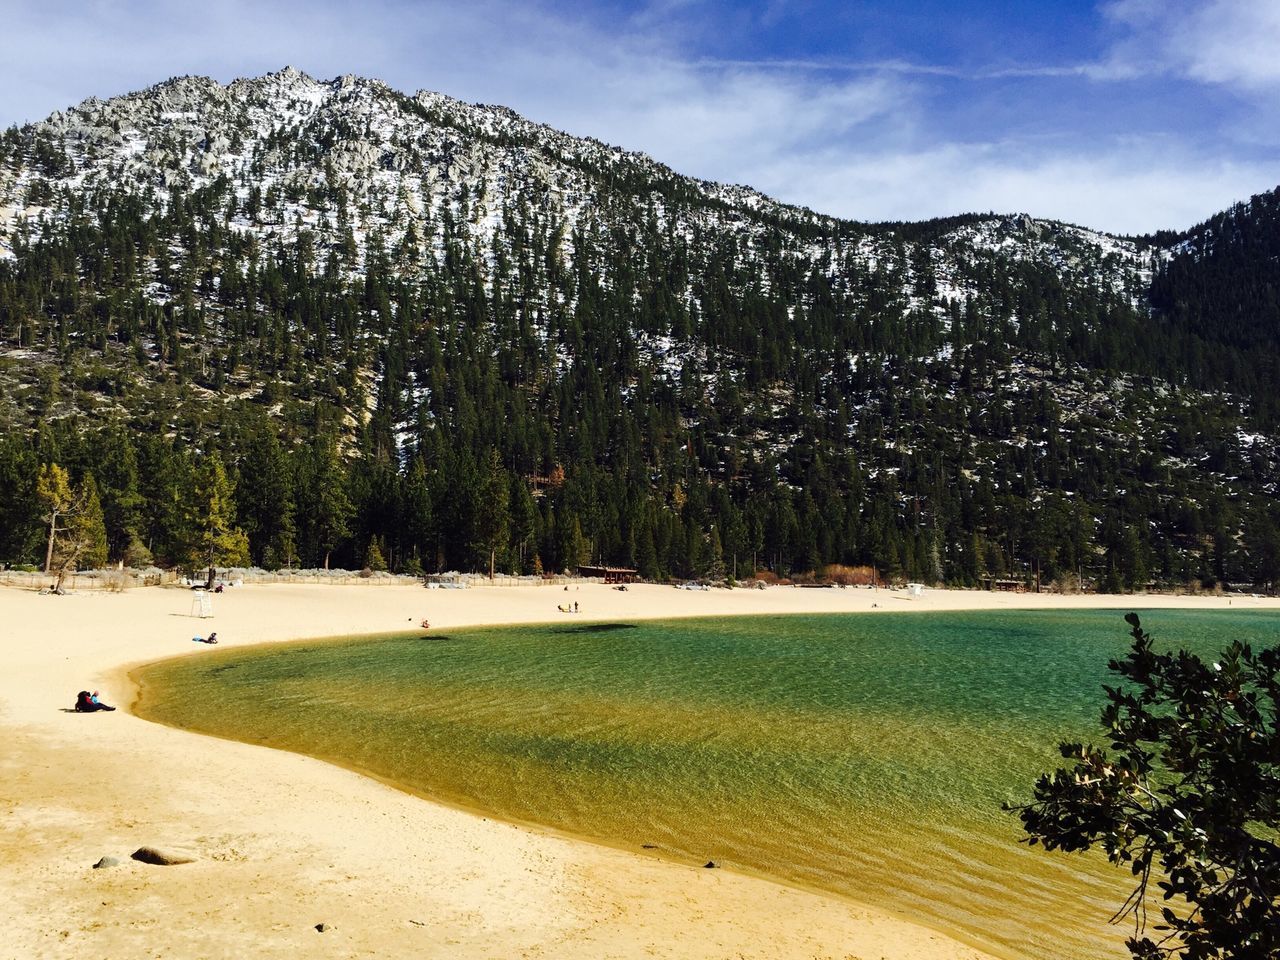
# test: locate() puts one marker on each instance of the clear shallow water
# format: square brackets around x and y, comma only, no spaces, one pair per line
[866,755]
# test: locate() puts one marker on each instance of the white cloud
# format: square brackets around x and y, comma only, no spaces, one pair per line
[1235,43]
[857,140]
[1123,188]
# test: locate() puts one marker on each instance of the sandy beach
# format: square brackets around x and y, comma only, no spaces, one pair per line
[283,843]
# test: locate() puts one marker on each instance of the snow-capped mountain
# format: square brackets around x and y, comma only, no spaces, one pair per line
[349,159]
[418,276]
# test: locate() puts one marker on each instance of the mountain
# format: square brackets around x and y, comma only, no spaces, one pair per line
[410,330]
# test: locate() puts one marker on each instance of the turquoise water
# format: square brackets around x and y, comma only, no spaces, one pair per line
[865,755]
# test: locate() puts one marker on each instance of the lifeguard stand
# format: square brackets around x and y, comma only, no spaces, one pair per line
[202,604]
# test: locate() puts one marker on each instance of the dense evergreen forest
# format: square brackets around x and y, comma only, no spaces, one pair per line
[297,323]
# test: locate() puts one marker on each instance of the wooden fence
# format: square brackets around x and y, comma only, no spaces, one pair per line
[112,581]
[118,580]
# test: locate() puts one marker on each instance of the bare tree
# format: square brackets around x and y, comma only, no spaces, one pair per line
[74,516]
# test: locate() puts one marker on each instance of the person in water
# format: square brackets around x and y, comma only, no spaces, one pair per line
[87,702]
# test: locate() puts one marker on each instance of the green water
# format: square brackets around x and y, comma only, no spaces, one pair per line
[866,755]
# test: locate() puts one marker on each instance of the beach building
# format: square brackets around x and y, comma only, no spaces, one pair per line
[609,574]
[1003,584]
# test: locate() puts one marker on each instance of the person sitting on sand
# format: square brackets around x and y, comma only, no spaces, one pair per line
[212,638]
[87,702]
[426,624]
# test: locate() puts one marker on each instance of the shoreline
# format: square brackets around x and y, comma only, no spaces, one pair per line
[403,874]
[655,853]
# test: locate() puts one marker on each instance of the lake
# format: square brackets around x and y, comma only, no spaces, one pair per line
[863,755]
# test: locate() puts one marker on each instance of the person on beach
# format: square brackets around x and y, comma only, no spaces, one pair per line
[212,638]
[87,702]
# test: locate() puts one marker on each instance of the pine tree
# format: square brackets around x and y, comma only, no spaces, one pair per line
[573,545]
[523,519]
[90,528]
[714,569]
[20,508]
[115,462]
[492,515]
[646,553]
[323,486]
[265,500]
[217,542]
[1264,548]
[417,516]
[373,559]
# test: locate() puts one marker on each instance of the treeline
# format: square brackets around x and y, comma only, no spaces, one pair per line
[250,499]
[1223,289]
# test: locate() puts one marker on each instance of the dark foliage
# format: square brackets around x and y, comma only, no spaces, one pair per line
[1221,291]
[1187,797]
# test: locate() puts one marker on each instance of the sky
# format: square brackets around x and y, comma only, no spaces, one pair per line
[1123,115]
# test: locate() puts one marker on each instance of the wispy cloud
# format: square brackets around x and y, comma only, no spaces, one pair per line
[1107,70]
[1094,70]
[835,66]
[1231,42]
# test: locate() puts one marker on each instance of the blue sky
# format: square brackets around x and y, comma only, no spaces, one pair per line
[1127,115]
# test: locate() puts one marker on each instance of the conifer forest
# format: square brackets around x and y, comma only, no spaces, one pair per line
[291,322]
